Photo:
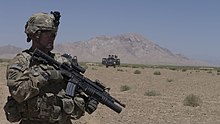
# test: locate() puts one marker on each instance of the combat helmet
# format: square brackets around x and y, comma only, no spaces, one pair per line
[42,21]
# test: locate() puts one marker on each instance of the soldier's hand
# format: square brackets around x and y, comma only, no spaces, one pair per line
[65,74]
[91,105]
[55,75]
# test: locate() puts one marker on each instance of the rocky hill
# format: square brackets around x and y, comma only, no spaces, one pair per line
[9,51]
[130,48]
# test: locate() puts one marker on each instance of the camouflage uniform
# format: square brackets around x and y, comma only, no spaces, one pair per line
[36,97]
[41,100]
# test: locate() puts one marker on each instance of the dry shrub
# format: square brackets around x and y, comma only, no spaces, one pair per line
[152,93]
[120,70]
[192,100]
[137,72]
[169,80]
[124,88]
[157,73]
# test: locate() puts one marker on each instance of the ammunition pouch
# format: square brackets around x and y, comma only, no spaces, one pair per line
[43,108]
[49,107]
[68,105]
[11,110]
[79,108]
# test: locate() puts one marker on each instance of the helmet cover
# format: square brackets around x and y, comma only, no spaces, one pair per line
[39,22]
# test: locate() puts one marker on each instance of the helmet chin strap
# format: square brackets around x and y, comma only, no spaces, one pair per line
[28,39]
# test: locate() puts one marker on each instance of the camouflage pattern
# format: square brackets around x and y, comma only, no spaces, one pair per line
[39,99]
[40,21]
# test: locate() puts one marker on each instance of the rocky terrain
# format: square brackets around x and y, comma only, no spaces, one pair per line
[170,87]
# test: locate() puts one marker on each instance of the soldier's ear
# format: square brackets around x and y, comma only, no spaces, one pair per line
[33,37]
[37,34]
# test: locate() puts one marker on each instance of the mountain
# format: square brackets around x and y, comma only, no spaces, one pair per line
[130,48]
[9,51]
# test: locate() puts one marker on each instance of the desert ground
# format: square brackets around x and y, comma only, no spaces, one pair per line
[166,106]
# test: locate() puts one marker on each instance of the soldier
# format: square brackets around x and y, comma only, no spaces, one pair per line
[37,89]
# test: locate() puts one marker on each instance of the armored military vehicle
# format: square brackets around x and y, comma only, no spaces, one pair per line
[112,60]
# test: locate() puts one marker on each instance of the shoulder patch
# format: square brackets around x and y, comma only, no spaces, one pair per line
[20,62]
[12,75]
[16,66]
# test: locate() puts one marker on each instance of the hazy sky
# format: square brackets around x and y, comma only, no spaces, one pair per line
[189,27]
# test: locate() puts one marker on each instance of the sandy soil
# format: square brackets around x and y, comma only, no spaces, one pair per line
[166,108]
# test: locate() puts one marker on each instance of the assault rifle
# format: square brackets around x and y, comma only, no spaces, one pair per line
[77,81]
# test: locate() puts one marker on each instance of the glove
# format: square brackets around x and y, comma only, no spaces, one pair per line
[91,106]
[55,75]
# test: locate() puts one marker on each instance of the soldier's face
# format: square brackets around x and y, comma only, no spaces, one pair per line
[46,40]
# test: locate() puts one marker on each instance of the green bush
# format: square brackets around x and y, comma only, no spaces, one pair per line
[137,72]
[173,68]
[124,88]
[135,66]
[209,71]
[4,60]
[169,80]
[152,93]
[192,100]
[120,70]
[93,68]
[157,73]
